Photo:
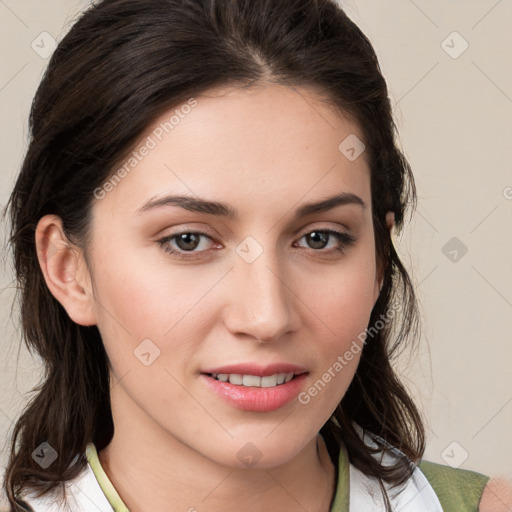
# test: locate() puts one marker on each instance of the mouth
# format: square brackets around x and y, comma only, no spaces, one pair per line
[255,381]
[256,393]
[254,375]
[256,388]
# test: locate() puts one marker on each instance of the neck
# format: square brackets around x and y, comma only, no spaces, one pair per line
[154,467]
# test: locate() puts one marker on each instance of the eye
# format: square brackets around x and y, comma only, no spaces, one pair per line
[188,241]
[318,239]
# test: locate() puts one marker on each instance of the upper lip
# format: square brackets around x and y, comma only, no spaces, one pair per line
[257,370]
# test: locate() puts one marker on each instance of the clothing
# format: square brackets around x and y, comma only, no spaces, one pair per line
[431,488]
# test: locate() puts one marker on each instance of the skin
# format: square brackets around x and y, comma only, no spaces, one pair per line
[497,496]
[266,151]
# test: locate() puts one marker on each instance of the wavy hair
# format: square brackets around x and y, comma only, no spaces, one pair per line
[121,65]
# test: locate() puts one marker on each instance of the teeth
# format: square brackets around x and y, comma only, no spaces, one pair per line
[251,380]
[236,378]
[269,381]
[254,381]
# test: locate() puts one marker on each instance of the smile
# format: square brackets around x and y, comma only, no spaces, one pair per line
[254,393]
[268,381]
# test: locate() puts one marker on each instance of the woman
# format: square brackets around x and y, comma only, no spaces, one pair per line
[202,237]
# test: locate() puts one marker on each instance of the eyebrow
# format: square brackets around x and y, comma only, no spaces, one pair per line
[195,204]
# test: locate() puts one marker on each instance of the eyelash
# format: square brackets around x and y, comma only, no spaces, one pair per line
[344,239]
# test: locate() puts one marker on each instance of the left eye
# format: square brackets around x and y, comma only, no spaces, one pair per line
[318,236]
[187,241]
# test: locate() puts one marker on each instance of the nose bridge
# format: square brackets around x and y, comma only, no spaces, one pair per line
[263,305]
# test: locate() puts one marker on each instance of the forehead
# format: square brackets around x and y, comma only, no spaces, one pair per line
[257,144]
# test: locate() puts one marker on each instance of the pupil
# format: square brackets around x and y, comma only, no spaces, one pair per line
[316,234]
[185,237]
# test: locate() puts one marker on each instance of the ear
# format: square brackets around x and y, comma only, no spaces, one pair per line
[65,270]
[390,222]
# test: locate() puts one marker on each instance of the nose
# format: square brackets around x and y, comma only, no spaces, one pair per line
[262,303]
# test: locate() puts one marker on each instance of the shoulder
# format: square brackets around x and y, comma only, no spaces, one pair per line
[460,489]
[457,489]
[497,496]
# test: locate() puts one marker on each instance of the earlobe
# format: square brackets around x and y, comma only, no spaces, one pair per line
[390,220]
[65,270]
[379,282]
[378,289]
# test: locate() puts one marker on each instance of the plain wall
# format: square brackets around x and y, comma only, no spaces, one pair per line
[454,114]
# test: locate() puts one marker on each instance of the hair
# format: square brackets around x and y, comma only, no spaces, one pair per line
[122,65]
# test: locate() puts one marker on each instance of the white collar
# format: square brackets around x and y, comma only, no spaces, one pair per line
[416,495]
[83,494]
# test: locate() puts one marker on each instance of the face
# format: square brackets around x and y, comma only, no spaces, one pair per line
[180,290]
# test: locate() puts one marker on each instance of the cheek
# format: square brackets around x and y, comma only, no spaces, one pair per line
[138,299]
[343,299]
[342,312]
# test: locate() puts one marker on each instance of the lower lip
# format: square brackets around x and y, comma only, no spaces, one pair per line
[253,398]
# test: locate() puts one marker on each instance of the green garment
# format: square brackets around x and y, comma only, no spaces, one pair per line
[456,489]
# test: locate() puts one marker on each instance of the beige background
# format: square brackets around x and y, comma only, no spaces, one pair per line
[454,113]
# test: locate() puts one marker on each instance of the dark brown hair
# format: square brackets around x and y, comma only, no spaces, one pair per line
[124,63]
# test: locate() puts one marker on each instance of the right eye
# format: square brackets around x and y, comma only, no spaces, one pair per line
[185,241]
